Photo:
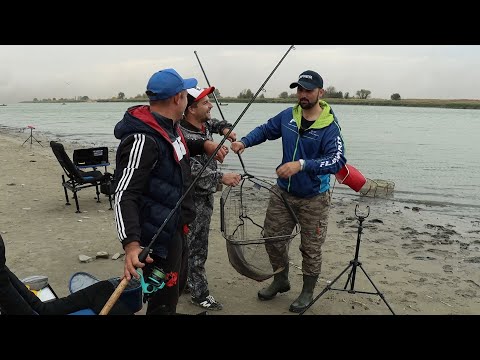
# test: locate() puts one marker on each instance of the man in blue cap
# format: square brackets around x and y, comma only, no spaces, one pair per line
[152,174]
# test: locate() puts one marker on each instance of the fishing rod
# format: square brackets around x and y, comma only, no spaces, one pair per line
[218,105]
[146,250]
[245,173]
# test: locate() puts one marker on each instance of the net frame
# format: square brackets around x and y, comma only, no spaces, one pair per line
[377,188]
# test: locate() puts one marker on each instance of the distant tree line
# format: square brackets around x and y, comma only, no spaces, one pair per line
[330,93]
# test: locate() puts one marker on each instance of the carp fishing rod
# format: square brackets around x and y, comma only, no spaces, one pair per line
[246,174]
[146,250]
[218,104]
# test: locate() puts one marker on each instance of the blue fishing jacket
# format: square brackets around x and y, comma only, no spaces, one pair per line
[321,146]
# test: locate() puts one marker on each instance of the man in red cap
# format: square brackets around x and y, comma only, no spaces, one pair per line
[198,125]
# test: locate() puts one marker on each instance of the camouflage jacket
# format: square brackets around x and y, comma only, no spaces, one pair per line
[211,176]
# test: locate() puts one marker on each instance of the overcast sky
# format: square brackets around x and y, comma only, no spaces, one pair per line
[102,71]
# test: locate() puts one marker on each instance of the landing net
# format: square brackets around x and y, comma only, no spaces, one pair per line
[242,215]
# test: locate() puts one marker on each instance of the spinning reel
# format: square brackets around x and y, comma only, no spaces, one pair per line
[154,281]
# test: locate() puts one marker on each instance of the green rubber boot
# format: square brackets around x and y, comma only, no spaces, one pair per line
[306,296]
[280,284]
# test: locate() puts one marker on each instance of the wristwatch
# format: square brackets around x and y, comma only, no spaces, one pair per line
[302,164]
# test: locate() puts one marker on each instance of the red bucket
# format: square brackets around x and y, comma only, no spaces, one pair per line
[351,177]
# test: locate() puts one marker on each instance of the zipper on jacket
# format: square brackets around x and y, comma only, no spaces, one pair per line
[294,153]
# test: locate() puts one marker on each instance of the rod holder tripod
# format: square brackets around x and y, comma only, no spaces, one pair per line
[31,137]
[354,264]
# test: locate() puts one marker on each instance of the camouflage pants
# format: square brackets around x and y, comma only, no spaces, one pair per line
[198,246]
[312,214]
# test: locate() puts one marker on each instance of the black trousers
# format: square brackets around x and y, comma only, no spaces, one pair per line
[164,301]
[16,299]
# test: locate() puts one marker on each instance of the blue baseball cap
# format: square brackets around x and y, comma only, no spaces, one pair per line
[167,83]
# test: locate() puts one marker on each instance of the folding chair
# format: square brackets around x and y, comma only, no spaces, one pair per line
[78,179]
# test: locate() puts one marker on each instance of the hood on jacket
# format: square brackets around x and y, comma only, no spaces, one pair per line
[325,118]
[137,119]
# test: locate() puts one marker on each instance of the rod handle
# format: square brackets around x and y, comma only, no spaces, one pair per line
[114,297]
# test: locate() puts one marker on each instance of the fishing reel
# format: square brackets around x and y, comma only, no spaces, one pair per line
[154,281]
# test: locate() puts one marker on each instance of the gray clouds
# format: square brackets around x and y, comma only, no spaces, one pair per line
[102,71]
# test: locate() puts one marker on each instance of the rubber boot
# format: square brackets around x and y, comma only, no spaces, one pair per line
[280,284]
[306,296]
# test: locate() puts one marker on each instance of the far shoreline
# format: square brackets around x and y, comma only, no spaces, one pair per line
[435,103]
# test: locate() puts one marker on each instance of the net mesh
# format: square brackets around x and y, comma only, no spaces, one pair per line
[242,212]
[377,188]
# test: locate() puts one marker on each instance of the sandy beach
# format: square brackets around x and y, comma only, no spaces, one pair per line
[423,262]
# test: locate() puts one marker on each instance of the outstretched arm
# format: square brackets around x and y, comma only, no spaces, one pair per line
[271,130]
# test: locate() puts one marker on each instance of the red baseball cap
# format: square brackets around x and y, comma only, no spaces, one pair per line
[195,94]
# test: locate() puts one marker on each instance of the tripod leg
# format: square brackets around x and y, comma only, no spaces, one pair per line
[351,277]
[328,287]
[26,141]
[348,278]
[37,141]
[378,292]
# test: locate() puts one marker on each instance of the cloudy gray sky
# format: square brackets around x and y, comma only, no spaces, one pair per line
[102,71]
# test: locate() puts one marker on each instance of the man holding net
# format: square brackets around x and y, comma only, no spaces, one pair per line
[313,149]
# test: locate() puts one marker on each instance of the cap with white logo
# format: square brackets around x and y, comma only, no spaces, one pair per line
[308,80]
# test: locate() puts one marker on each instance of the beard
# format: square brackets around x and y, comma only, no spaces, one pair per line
[207,117]
[305,104]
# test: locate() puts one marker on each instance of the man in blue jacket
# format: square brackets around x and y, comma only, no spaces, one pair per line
[313,149]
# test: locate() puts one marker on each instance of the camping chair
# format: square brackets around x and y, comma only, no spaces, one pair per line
[78,179]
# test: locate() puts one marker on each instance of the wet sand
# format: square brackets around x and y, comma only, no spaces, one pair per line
[421,260]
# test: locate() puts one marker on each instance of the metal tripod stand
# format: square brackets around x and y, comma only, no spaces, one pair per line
[353,272]
[31,137]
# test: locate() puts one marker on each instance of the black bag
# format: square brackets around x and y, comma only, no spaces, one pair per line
[108,188]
